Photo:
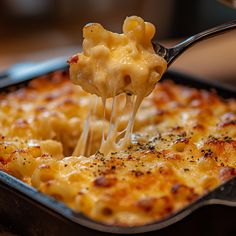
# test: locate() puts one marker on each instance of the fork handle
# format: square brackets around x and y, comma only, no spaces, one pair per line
[175,51]
[224,195]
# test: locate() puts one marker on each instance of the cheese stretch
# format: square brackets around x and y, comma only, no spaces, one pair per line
[183,146]
[112,64]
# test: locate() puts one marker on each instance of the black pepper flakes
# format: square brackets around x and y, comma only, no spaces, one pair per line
[137,173]
[151,147]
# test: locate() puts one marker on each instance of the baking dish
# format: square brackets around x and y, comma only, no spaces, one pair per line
[32,213]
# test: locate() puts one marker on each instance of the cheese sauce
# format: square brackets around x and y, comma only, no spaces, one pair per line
[183,146]
[112,64]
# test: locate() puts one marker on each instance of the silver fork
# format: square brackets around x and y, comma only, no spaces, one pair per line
[170,54]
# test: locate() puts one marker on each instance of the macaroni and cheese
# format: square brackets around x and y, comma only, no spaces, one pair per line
[183,146]
[151,163]
[111,64]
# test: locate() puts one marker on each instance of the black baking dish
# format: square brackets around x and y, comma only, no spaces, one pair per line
[28,212]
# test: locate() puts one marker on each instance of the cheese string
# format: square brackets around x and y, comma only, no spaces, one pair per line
[88,153]
[114,141]
[83,145]
[104,118]
[127,107]
[112,124]
[135,106]
[110,139]
[80,148]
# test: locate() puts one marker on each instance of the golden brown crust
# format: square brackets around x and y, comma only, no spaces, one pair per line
[183,146]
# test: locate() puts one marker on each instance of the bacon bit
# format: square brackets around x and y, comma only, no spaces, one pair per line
[73,59]
[105,182]
[226,173]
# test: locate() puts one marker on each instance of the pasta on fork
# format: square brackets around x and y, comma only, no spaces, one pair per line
[112,64]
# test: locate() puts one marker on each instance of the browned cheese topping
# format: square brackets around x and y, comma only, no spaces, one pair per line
[183,146]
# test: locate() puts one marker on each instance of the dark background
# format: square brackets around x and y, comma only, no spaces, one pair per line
[57,23]
[35,30]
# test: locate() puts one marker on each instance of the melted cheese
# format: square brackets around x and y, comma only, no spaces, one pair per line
[183,146]
[112,63]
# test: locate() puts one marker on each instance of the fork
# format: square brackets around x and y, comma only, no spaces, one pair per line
[171,54]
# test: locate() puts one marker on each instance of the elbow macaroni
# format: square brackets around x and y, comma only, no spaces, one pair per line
[175,156]
[183,143]
[111,64]
[115,63]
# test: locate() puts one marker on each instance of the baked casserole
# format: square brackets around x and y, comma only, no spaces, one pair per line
[183,146]
[140,153]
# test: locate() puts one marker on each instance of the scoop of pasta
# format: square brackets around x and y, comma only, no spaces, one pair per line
[112,63]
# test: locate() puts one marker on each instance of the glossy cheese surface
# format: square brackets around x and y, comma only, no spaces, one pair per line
[183,146]
[113,63]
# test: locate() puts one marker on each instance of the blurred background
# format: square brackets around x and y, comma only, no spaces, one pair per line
[38,30]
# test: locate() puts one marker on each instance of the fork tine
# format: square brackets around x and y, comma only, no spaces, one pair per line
[160,50]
